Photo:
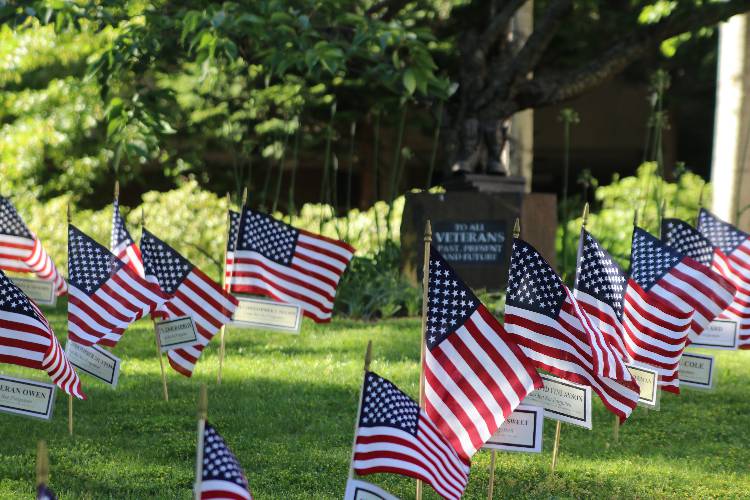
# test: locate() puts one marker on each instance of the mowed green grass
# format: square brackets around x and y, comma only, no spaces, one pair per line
[286,408]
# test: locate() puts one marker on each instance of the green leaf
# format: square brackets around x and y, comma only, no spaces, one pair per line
[410,81]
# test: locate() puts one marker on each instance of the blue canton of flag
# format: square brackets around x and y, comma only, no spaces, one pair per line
[687,240]
[599,275]
[162,261]
[222,475]
[90,265]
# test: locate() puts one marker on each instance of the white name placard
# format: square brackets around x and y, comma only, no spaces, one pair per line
[176,333]
[27,397]
[362,490]
[95,361]
[697,370]
[40,291]
[648,383]
[719,334]
[521,431]
[267,315]
[563,401]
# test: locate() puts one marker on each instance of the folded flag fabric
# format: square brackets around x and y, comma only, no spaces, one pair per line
[475,374]
[191,293]
[356,489]
[395,435]
[221,473]
[643,328]
[554,332]
[22,252]
[26,339]
[44,493]
[122,244]
[683,282]
[735,245]
[288,264]
[106,296]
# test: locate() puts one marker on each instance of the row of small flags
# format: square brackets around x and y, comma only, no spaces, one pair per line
[475,370]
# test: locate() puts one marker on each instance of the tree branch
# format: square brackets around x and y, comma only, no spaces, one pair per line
[498,26]
[550,89]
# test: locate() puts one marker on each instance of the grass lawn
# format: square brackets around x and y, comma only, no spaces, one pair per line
[287,404]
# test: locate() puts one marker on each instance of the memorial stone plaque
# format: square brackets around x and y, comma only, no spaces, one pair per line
[473,227]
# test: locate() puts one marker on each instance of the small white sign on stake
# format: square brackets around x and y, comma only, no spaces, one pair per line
[697,371]
[40,291]
[521,431]
[94,361]
[719,334]
[27,397]
[357,489]
[267,315]
[563,401]
[648,383]
[176,333]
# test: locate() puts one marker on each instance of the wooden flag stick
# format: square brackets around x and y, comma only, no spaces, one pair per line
[226,283]
[635,218]
[202,416]
[556,447]
[368,358]
[165,390]
[70,396]
[42,463]
[585,214]
[117,190]
[491,487]
[662,212]
[616,429]
[425,305]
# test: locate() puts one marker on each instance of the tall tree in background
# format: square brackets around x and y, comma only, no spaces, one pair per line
[185,86]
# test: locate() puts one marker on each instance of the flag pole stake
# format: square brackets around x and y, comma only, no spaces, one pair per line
[70,396]
[165,390]
[585,218]
[42,463]
[227,282]
[202,416]
[491,487]
[556,447]
[425,300]
[635,218]
[368,359]
[662,211]
[117,189]
[616,430]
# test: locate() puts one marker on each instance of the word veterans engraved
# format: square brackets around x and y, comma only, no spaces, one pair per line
[563,401]
[176,333]
[267,314]
[648,382]
[719,334]
[26,397]
[478,242]
[697,370]
[94,361]
[40,291]
[521,431]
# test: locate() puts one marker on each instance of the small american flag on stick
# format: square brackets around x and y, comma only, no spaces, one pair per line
[106,296]
[191,292]
[642,327]
[26,339]
[475,374]
[123,245]
[554,332]
[221,473]
[395,435]
[735,246]
[679,280]
[288,264]
[21,251]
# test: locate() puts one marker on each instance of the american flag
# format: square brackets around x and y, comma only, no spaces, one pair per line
[395,435]
[681,281]
[191,292]
[105,295]
[21,251]
[475,375]
[26,339]
[122,244]
[735,245]
[546,320]
[44,493]
[288,264]
[221,473]
[642,327]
